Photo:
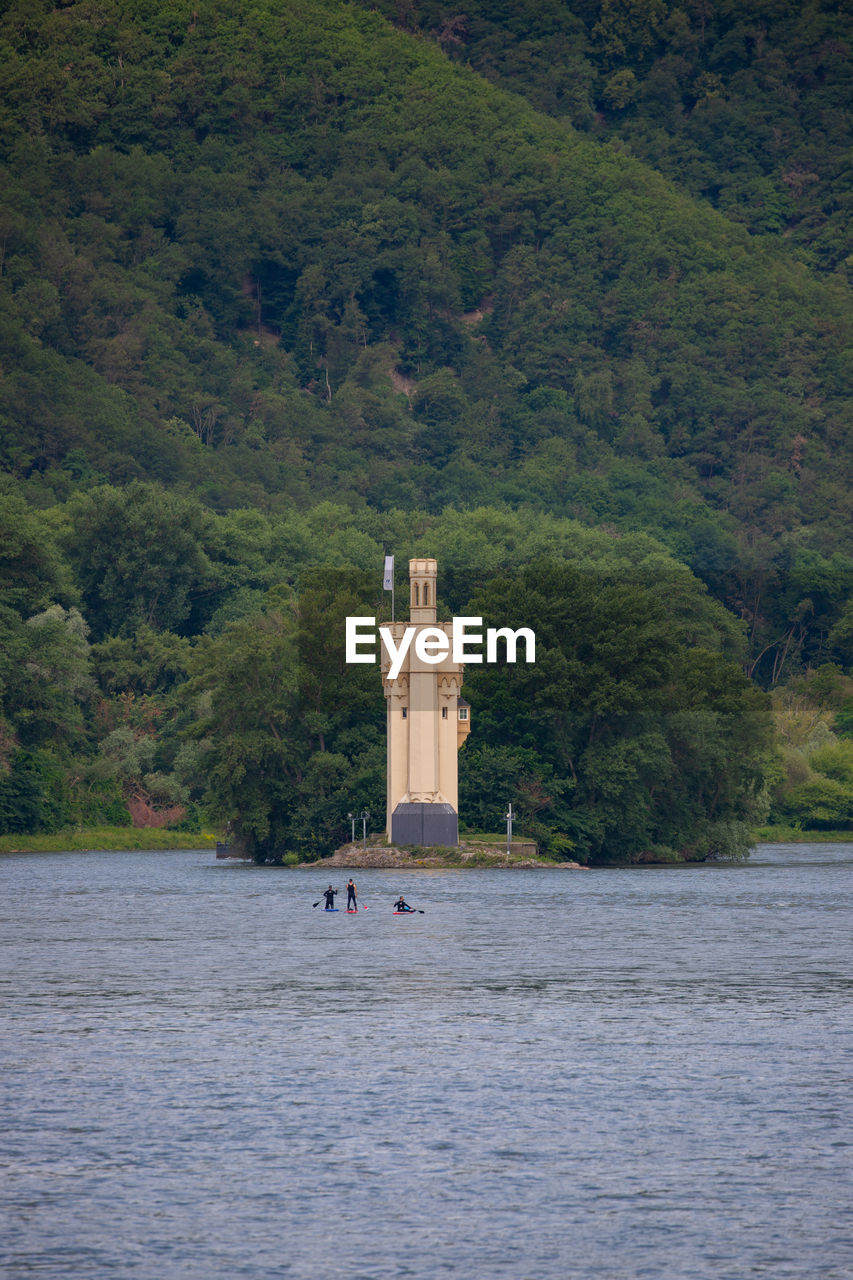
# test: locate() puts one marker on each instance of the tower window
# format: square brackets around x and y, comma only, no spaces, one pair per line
[426,593]
[463,713]
[444,713]
[405,713]
[415,594]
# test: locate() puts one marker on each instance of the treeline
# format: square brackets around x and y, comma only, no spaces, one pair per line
[165,665]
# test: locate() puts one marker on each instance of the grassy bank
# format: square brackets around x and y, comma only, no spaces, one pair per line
[108,838]
[795,835]
[156,838]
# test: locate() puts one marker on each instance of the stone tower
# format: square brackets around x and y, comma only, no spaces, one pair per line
[427,724]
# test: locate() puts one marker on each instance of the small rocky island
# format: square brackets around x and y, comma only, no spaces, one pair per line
[521,855]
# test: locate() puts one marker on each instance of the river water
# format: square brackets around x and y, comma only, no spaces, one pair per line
[591,1074]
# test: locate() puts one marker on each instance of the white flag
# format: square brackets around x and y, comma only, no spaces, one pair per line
[388,580]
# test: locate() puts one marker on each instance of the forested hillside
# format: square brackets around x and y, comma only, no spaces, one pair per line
[743,103]
[290,284]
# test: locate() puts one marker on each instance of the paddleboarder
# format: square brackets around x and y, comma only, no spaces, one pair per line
[402,905]
[352,895]
[329,895]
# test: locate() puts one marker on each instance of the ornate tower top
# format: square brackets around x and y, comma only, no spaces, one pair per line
[422,582]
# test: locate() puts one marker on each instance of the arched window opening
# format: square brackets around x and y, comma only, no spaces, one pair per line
[426,593]
[415,594]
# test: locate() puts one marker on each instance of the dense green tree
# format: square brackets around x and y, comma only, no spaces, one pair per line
[138,557]
[247,683]
[149,662]
[291,737]
[33,794]
[491,777]
[659,741]
[33,573]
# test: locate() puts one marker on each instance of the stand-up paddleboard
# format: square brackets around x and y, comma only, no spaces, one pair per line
[352,911]
[331,908]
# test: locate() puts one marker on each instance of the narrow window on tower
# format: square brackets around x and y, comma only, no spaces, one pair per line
[426,593]
[444,713]
[405,713]
[415,595]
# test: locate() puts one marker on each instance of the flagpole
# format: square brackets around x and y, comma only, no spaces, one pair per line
[388,581]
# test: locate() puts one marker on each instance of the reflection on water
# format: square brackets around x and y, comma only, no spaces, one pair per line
[619,1073]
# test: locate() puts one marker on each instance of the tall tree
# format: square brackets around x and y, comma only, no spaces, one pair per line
[658,742]
[138,557]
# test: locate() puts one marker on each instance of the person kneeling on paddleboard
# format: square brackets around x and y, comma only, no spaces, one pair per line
[352,905]
[402,905]
[329,895]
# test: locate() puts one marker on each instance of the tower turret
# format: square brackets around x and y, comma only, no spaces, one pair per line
[422,582]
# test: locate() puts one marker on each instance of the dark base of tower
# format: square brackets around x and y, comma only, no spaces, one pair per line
[425,824]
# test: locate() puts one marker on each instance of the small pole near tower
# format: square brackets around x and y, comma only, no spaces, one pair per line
[351,817]
[508,828]
[364,816]
[388,581]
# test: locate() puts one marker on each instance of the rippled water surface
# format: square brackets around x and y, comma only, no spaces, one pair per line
[591,1074]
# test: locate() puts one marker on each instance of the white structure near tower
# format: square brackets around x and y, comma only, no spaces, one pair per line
[428,722]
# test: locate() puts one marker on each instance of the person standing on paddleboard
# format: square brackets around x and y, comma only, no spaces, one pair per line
[329,895]
[352,895]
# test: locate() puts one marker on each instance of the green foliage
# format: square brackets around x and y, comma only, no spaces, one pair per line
[99,803]
[493,776]
[138,557]
[33,794]
[834,760]
[282,288]
[146,664]
[822,803]
[248,684]
[744,105]
[813,788]
[228,251]
[844,718]
[45,681]
[290,737]
[642,738]
[32,572]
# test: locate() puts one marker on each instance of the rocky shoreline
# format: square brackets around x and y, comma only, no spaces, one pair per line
[521,856]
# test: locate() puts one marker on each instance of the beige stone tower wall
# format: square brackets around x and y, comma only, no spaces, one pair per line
[421,706]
